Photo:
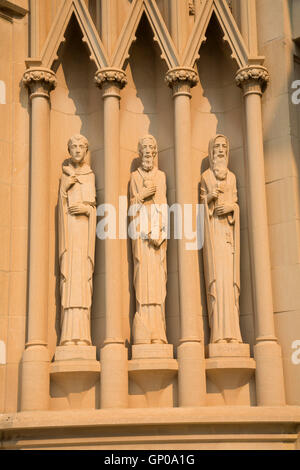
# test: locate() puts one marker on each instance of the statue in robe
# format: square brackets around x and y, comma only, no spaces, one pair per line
[221,251]
[77,236]
[148,196]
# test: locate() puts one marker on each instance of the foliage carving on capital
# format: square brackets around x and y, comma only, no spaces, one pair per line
[116,76]
[252,73]
[40,76]
[181,75]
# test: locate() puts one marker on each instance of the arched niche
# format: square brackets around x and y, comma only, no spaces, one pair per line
[217,107]
[76,107]
[147,107]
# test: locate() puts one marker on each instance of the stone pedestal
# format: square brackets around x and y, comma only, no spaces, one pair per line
[75,372]
[153,369]
[230,368]
[228,350]
[152,351]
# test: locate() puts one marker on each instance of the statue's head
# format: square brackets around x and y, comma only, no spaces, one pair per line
[147,148]
[78,146]
[218,152]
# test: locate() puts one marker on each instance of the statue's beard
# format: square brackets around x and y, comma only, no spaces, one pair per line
[220,169]
[147,166]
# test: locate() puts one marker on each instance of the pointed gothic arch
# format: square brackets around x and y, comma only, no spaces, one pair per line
[231,33]
[90,35]
[159,28]
[169,53]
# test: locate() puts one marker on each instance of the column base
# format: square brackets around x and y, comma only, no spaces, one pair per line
[270,389]
[153,369]
[35,395]
[114,376]
[191,374]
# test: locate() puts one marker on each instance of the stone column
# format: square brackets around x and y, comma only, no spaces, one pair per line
[267,352]
[190,353]
[35,367]
[114,365]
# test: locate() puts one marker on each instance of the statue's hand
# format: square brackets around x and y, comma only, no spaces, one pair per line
[70,181]
[224,209]
[155,242]
[147,192]
[213,195]
[79,209]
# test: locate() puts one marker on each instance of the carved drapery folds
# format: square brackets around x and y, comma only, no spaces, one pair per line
[77,232]
[147,193]
[221,251]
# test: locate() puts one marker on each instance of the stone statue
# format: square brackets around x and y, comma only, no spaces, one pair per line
[221,251]
[77,231]
[148,194]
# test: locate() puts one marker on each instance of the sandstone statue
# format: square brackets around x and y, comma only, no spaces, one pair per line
[77,230]
[221,251]
[148,195]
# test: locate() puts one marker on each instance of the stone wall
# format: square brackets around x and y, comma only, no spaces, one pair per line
[146,107]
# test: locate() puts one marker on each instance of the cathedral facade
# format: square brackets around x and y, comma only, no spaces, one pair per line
[184,335]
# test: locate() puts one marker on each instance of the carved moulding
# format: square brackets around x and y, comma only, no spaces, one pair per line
[40,80]
[112,76]
[252,73]
[181,79]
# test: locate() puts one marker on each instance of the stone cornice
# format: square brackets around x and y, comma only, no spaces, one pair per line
[112,76]
[252,73]
[39,80]
[181,75]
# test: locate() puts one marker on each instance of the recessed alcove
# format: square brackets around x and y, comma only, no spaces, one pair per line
[76,108]
[147,108]
[217,108]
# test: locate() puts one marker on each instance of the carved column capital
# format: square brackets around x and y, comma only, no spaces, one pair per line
[111,80]
[181,80]
[252,79]
[40,81]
